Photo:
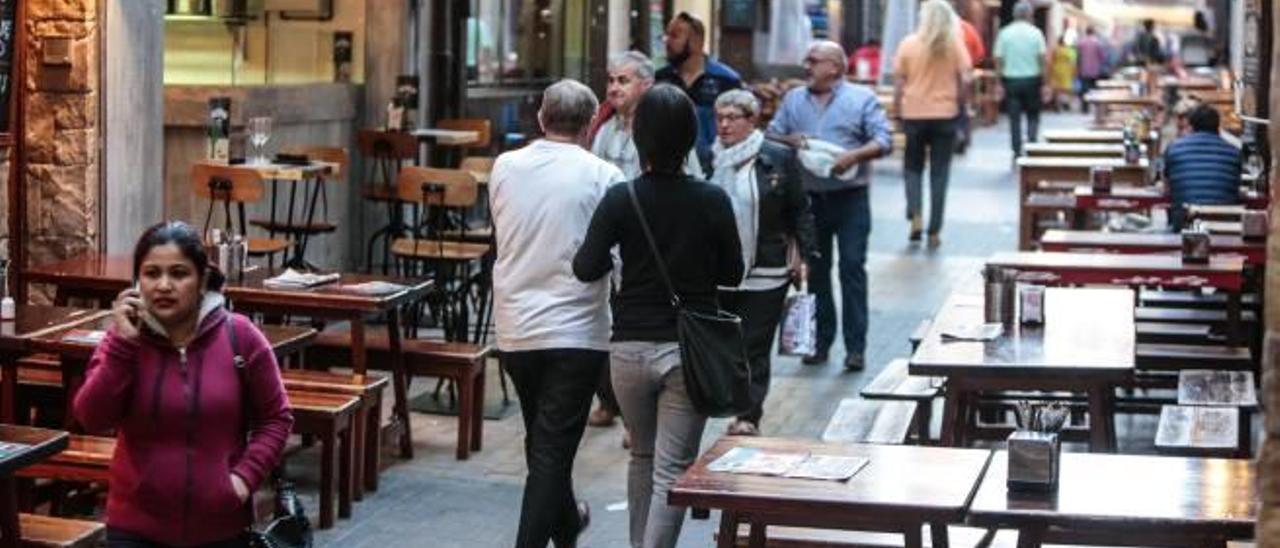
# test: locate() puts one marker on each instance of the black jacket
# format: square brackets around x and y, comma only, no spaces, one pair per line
[693,223]
[784,207]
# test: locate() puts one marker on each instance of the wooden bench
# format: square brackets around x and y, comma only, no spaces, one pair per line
[86,459]
[1216,318]
[1164,298]
[1210,388]
[366,431]
[1173,357]
[50,532]
[1199,431]
[919,333]
[328,417]
[868,421]
[894,383]
[1176,333]
[805,537]
[462,363]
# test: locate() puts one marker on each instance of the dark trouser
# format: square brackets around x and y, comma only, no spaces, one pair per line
[1023,95]
[117,538]
[964,129]
[555,388]
[604,391]
[760,312]
[939,136]
[1086,85]
[846,216]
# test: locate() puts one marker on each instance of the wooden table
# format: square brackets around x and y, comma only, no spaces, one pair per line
[101,277]
[31,445]
[1086,344]
[1254,252]
[445,136]
[1033,171]
[1098,136]
[1126,500]
[899,490]
[1078,150]
[1225,273]
[15,336]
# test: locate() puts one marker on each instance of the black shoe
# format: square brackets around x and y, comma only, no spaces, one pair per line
[817,358]
[854,362]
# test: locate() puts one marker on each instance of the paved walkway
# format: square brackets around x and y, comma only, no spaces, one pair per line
[439,502]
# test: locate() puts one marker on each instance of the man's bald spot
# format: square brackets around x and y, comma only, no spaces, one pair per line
[829,50]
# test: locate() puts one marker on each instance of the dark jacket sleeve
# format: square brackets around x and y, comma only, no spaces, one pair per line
[593,259]
[799,214]
[271,419]
[729,267]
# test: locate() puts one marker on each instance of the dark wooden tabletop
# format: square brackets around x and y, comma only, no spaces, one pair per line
[284,339]
[1090,136]
[1082,163]
[1147,242]
[34,320]
[1087,332]
[1129,493]
[101,273]
[1223,272]
[32,445]
[900,482]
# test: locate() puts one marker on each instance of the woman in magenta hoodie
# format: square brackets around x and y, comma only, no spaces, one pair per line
[187,457]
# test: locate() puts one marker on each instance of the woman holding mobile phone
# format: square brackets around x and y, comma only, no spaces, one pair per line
[195,436]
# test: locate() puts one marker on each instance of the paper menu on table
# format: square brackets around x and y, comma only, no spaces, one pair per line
[827,467]
[747,460]
[973,332]
[291,278]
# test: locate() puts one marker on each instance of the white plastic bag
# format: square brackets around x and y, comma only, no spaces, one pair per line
[798,332]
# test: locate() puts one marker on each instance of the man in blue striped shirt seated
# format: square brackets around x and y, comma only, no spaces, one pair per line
[1201,167]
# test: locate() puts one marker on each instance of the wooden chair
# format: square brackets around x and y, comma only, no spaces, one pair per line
[334,155]
[385,153]
[231,185]
[366,431]
[50,532]
[328,417]
[481,126]
[462,363]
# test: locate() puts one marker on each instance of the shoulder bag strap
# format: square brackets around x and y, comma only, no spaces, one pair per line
[653,244]
[238,361]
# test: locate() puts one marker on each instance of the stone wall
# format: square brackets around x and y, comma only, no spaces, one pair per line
[62,136]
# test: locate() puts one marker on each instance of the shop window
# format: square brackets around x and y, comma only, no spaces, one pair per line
[514,41]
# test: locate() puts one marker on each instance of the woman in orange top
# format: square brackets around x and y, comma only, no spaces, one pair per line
[932,70]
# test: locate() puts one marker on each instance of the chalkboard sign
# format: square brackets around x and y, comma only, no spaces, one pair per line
[8,45]
[738,14]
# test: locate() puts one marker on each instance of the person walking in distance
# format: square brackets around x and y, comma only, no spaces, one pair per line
[831,114]
[552,329]
[1020,55]
[932,68]
[692,224]
[771,209]
[700,77]
[630,75]
[1091,59]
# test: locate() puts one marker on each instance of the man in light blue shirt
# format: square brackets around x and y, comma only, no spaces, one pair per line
[1020,60]
[848,116]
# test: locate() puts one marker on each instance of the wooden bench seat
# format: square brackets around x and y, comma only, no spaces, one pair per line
[869,421]
[957,537]
[1200,431]
[1214,317]
[1165,298]
[1172,357]
[1176,333]
[86,459]
[367,431]
[462,363]
[896,384]
[328,417]
[51,532]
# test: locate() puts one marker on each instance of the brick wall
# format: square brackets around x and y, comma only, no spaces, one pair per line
[62,131]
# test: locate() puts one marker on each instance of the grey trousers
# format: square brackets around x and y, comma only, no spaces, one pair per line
[665,434]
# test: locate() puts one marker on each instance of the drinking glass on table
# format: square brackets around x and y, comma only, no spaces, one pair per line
[259,136]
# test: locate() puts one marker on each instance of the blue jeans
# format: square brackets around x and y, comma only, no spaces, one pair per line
[846,216]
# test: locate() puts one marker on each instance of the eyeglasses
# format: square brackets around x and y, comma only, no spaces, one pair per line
[734,117]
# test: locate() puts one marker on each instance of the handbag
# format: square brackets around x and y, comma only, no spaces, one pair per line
[289,527]
[713,351]
[798,332]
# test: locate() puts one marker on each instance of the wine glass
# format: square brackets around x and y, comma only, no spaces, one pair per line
[259,136]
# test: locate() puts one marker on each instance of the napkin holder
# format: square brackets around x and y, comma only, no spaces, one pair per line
[1195,247]
[1034,459]
[1253,225]
[1100,176]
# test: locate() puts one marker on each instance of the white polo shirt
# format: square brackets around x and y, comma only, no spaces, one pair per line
[542,198]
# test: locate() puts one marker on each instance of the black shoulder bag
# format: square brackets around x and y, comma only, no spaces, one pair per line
[713,352]
[290,527]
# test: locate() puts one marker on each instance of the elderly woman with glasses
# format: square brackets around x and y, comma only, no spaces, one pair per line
[771,210]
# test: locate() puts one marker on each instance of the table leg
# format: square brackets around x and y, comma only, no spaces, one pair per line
[911,537]
[1030,537]
[1101,420]
[9,389]
[373,445]
[1235,331]
[9,530]
[728,537]
[950,416]
[938,534]
[757,539]
[399,384]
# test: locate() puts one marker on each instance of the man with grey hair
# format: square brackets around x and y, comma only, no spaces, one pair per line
[630,75]
[552,330]
[1020,53]
[839,128]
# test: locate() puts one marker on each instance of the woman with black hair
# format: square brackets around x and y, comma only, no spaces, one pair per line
[166,379]
[693,224]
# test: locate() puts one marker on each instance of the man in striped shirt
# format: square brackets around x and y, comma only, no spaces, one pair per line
[1201,167]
